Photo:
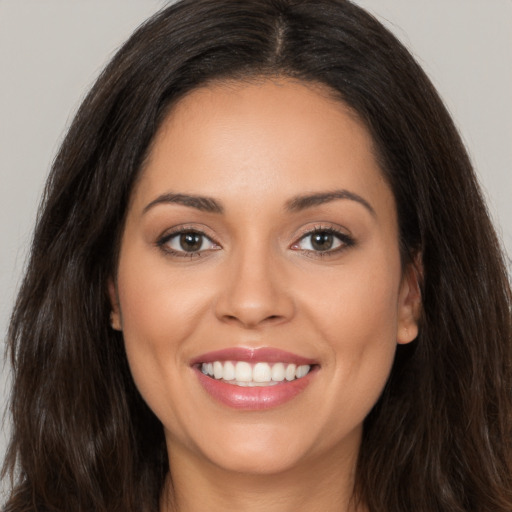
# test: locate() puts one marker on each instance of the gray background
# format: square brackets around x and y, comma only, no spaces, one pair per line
[52,50]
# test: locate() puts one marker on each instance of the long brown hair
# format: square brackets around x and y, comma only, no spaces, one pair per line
[439,439]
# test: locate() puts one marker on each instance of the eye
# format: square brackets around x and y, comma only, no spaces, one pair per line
[186,243]
[323,241]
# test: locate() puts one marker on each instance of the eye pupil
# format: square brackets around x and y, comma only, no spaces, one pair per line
[191,241]
[322,241]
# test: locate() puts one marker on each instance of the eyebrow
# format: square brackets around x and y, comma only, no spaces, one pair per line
[303,202]
[205,204]
[295,204]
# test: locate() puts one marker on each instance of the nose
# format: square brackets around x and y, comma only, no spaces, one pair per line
[254,291]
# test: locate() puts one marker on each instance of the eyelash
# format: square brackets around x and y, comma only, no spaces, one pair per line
[165,239]
[346,242]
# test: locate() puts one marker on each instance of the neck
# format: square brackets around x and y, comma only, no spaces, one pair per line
[324,484]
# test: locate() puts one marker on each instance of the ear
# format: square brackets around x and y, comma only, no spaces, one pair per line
[115,315]
[409,302]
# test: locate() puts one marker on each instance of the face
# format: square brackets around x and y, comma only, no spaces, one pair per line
[259,288]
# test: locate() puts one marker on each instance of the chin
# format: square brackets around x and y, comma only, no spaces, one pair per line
[257,449]
[258,460]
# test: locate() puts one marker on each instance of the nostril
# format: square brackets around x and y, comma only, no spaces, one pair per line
[252,322]
[251,305]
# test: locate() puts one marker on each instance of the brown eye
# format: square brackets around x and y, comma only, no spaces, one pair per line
[191,242]
[322,241]
[187,242]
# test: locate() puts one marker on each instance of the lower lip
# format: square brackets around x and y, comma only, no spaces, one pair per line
[254,398]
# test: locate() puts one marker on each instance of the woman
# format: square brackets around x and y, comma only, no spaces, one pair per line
[263,277]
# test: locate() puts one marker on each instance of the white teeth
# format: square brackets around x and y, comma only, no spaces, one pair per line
[290,372]
[229,371]
[218,370]
[278,372]
[242,373]
[261,372]
[301,371]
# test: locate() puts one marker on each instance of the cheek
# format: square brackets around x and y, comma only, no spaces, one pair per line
[156,304]
[359,301]
[159,312]
[356,314]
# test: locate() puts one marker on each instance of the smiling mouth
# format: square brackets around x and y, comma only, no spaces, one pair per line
[258,374]
[254,379]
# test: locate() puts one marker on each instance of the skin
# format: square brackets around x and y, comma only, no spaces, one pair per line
[253,146]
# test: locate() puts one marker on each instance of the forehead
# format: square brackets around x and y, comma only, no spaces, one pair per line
[262,139]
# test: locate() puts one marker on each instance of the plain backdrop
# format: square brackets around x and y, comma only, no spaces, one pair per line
[52,50]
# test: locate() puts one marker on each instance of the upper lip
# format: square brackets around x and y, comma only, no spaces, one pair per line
[261,354]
